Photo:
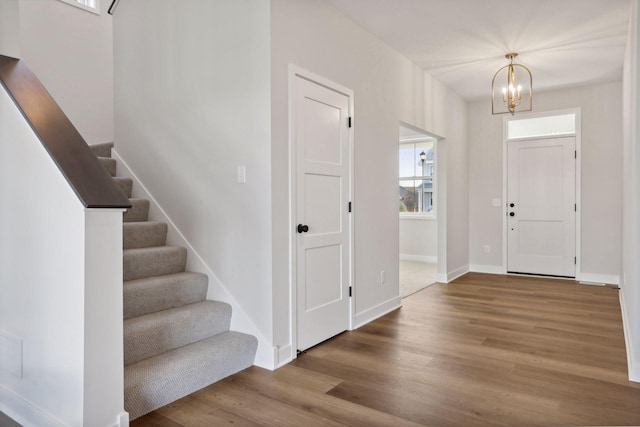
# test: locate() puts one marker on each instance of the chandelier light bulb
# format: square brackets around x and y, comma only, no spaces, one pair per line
[518,81]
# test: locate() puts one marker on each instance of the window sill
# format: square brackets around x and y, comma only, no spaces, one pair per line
[420,217]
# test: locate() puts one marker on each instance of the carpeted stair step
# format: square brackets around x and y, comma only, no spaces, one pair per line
[125,184]
[156,261]
[157,381]
[109,164]
[143,234]
[152,294]
[102,150]
[139,211]
[156,333]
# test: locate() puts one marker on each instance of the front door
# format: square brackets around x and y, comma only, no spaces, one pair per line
[322,226]
[541,209]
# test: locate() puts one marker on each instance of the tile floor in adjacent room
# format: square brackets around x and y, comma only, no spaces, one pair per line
[415,276]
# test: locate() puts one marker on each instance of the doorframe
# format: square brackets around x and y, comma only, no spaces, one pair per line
[441,275]
[578,136]
[295,72]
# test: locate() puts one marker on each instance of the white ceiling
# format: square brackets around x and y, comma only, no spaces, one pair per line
[463,42]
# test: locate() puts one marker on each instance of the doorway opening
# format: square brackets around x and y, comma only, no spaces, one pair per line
[417,189]
[542,194]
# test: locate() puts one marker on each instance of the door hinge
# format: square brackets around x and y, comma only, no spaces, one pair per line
[575,207]
[575,154]
[349,122]
[350,291]
[349,206]
[575,260]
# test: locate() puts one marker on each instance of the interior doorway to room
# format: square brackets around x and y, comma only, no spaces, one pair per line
[541,195]
[417,174]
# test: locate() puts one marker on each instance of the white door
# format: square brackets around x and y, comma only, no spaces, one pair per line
[322,228]
[541,209]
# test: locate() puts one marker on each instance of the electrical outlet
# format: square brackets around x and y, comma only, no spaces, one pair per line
[495,203]
[383,277]
[486,249]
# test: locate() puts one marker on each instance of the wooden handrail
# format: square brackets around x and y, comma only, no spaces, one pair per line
[87,177]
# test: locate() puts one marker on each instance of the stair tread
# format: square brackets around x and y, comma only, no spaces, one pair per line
[152,334]
[157,381]
[139,210]
[152,294]
[153,261]
[158,249]
[143,234]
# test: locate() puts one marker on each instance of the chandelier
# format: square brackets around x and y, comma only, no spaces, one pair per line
[515,95]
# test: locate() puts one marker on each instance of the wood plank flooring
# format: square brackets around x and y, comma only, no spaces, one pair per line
[484,350]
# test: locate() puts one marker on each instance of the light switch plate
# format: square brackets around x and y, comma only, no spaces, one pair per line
[242,174]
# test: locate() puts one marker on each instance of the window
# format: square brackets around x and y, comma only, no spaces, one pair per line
[545,126]
[416,175]
[88,5]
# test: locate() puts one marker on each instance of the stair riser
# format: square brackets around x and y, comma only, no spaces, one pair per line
[154,294]
[109,164]
[141,263]
[102,150]
[125,184]
[144,234]
[157,333]
[139,211]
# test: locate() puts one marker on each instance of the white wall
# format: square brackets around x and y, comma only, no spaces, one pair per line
[388,89]
[601,162]
[630,283]
[60,291]
[194,99]
[418,239]
[10,28]
[71,52]
[192,103]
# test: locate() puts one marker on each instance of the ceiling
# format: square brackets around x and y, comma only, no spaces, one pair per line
[462,43]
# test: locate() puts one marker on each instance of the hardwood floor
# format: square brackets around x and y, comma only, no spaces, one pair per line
[484,350]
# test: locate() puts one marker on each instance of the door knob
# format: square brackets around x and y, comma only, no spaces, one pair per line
[303,228]
[512,214]
[511,205]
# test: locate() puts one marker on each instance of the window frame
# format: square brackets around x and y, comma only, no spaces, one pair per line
[422,215]
[79,5]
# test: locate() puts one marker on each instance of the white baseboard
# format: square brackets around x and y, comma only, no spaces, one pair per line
[283,355]
[453,275]
[441,278]
[599,279]
[419,258]
[489,269]
[240,320]
[123,420]
[373,313]
[633,365]
[25,412]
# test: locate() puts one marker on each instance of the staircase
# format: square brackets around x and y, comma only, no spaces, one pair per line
[175,341]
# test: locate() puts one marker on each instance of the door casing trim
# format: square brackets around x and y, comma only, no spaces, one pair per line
[294,72]
[578,135]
